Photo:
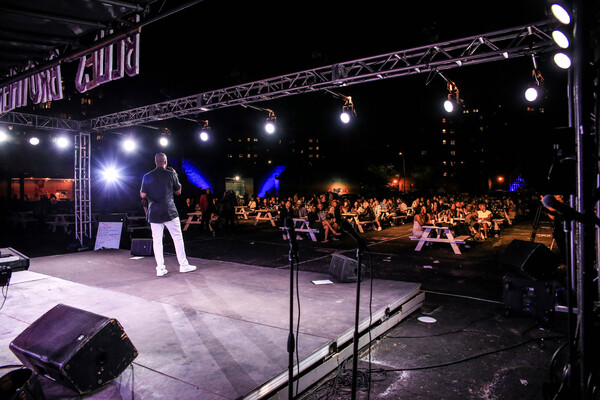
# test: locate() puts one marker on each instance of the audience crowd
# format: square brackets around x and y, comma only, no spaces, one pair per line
[466,214]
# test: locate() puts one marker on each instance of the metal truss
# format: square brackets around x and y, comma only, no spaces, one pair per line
[509,43]
[39,122]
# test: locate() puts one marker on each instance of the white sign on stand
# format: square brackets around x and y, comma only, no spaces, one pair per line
[109,235]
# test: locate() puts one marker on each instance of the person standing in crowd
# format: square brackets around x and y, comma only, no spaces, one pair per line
[207,206]
[158,187]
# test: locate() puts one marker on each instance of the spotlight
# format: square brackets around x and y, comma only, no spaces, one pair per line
[3,136]
[531,94]
[452,92]
[62,142]
[129,145]
[34,141]
[348,112]
[163,141]
[560,39]
[110,174]
[203,135]
[561,13]
[271,124]
[562,60]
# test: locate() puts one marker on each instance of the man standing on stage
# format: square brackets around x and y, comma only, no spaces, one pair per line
[158,187]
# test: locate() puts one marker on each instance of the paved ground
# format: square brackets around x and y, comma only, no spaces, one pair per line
[474,350]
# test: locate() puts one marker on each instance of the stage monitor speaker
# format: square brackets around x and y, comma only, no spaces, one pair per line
[75,348]
[344,269]
[535,260]
[528,297]
[141,247]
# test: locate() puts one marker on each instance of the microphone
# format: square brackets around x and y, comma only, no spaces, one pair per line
[347,227]
[288,224]
[567,212]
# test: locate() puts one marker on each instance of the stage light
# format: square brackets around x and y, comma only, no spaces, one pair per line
[560,39]
[163,141]
[453,96]
[3,136]
[129,145]
[562,60]
[34,141]
[561,13]
[110,174]
[532,92]
[62,142]
[271,123]
[204,131]
[348,112]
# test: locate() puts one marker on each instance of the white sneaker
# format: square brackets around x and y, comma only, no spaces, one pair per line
[187,268]
[162,271]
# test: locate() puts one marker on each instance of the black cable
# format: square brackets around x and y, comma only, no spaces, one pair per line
[297,327]
[487,353]
[4,294]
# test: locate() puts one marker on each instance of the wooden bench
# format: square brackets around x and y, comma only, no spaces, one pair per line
[395,218]
[458,239]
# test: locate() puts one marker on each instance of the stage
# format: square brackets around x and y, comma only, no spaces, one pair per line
[219,332]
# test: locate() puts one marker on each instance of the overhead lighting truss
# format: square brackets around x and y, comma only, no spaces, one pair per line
[509,43]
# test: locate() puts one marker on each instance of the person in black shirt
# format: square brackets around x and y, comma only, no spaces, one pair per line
[158,187]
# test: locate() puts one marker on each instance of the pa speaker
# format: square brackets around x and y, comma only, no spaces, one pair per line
[75,348]
[344,269]
[141,247]
[535,260]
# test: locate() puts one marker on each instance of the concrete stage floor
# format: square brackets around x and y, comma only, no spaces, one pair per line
[219,332]
[473,350]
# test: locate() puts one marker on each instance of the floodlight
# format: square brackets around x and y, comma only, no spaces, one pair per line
[560,39]
[129,145]
[562,60]
[34,141]
[531,94]
[62,142]
[204,130]
[561,13]
[271,123]
[3,136]
[453,95]
[348,112]
[110,174]
[163,141]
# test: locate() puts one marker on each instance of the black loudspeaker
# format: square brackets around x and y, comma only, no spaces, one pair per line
[527,297]
[535,260]
[344,269]
[141,247]
[75,348]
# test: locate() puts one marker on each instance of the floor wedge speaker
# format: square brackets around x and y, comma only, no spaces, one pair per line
[535,260]
[344,269]
[75,348]
[141,247]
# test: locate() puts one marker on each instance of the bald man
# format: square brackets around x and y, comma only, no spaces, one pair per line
[158,187]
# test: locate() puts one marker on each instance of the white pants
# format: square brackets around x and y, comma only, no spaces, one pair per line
[174,227]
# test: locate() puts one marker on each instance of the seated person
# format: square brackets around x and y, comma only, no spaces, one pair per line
[327,223]
[420,219]
[365,213]
[484,219]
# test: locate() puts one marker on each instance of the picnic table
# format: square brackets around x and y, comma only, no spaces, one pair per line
[265,215]
[445,230]
[301,226]
[63,220]
[194,218]
[242,211]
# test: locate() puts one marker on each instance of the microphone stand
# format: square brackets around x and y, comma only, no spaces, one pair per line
[356,320]
[293,256]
